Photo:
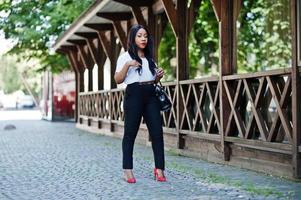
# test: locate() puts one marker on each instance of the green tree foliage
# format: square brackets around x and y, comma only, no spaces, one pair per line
[9,76]
[167,51]
[35,24]
[14,74]
[263,39]
[264,35]
[203,44]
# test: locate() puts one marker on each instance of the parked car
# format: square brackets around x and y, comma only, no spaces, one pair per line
[25,101]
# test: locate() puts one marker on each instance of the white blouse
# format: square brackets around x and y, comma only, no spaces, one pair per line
[132,74]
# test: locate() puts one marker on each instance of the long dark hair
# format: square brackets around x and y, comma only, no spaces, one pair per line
[148,50]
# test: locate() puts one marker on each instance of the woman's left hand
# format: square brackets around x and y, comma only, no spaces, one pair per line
[159,73]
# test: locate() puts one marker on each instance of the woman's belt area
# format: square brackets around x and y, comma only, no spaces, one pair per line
[146,82]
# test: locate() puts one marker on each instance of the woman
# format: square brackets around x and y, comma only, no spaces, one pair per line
[139,72]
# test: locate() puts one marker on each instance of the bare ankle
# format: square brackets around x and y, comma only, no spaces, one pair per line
[128,173]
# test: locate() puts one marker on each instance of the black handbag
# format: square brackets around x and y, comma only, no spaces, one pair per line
[165,103]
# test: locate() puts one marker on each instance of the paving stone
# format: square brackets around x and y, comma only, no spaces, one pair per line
[54,160]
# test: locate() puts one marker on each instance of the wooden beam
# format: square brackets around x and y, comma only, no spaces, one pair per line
[99,27]
[193,11]
[182,71]
[138,15]
[79,81]
[93,51]
[72,63]
[121,34]
[152,29]
[77,42]
[112,50]
[115,52]
[217,8]
[90,79]
[296,92]
[171,12]
[100,72]
[99,58]
[105,42]
[76,72]
[80,71]
[86,57]
[68,48]
[88,35]
[117,16]
[224,9]
[88,62]
[158,7]
[299,33]
[96,51]
[79,60]
[61,51]
[237,7]
[144,3]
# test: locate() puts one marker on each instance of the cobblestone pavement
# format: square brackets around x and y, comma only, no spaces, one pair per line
[54,160]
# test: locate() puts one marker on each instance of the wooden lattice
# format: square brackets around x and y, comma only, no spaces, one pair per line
[170,117]
[117,104]
[201,106]
[260,108]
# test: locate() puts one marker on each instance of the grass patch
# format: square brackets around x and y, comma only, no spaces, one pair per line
[215,178]
[173,152]
[108,144]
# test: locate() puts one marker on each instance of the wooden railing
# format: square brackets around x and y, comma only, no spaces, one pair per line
[260,106]
[200,98]
[117,104]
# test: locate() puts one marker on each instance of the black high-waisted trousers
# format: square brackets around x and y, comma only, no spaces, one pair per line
[140,100]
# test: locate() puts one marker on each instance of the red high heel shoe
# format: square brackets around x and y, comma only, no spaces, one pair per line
[129,180]
[157,177]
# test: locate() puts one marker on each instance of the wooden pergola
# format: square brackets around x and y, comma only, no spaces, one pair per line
[224,135]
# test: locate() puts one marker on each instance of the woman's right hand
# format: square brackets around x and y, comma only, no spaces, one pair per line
[120,76]
[133,63]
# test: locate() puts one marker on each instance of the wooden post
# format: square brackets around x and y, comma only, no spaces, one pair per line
[115,50]
[177,18]
[74,67]
[224,12]
[72,55]
[89,64]
[296,92]
[100,73]
[70,51]
[111,49]
[99,58]
[152,27]
[182,60]
[86,58]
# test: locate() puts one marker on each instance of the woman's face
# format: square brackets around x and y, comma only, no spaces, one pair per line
[141,38]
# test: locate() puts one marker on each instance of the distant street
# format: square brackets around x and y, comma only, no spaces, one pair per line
[28,114]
